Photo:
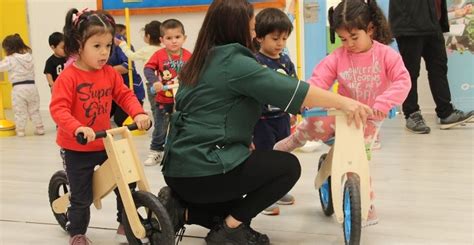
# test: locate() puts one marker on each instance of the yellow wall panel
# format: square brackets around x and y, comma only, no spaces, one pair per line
[13,19]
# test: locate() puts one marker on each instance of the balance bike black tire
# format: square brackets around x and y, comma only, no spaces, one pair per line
[352,224]
[325,195]
[153,217]
[58,187]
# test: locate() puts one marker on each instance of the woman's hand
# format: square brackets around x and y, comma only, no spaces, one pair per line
[252,147]
[143,121]
[379,116]
[356,112]
[89,133]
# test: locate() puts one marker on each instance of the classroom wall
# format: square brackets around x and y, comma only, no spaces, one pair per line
[47,16]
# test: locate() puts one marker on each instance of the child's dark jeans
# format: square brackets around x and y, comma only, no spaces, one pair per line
[162,121]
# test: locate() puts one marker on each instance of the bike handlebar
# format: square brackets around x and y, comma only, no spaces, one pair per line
[319,112]
[102,134]
[165,88]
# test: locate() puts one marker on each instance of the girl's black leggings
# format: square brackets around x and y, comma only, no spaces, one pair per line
[80,169]
[244,192]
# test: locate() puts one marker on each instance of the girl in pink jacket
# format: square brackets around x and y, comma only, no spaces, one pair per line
[366,68]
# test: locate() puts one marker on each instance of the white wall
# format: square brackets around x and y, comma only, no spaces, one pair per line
[47,16]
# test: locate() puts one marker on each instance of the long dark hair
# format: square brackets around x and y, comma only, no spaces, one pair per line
[14,44]
[80,26]
[226,21]
[356,14]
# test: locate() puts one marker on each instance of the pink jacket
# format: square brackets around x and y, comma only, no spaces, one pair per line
[377,78]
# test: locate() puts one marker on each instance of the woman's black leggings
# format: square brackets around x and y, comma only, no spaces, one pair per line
[244,192]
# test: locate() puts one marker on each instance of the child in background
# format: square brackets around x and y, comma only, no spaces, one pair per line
[367,69]
[152,39]
[272,28]
[119,61]
[26,100]
[162,69]
[120,29]
[81,103]
[55,63]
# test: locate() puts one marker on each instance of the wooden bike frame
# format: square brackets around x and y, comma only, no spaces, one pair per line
[120,169]
[347,156]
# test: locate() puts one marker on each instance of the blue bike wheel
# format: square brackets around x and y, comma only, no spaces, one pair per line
[325,196]
[352,224]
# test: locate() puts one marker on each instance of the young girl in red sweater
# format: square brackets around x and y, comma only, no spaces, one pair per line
[81,103]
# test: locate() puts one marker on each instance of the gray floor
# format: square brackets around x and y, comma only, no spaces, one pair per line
[424,187]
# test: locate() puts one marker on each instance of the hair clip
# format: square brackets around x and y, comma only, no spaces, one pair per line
[77,16]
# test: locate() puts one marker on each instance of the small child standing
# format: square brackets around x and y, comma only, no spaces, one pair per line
[162,69]
[367,69]
[152,39]
[119,61]
[55,63]
[26,100]
[272,28]
[81,103]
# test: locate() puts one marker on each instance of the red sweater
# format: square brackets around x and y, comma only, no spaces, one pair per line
[167,67]
[84,98]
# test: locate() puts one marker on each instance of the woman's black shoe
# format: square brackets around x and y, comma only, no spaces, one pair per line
[241,235]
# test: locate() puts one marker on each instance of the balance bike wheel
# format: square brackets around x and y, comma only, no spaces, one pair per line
[58,187]
[325,196]
[153,217]
[352,224]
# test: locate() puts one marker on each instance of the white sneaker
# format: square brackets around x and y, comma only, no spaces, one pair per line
[39,130]
[154,157]
[272,210]
[287,199]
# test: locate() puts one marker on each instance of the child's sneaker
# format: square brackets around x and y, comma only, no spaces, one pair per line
[310,146]
[120,236]
[79,240]
[377,145]
[288,144]
[39,131]
[154,157]
[272,210]
[20,133]
[372,218]
[287,199]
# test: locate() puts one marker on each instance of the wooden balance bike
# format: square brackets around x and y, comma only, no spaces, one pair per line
[145,219]
[343,179]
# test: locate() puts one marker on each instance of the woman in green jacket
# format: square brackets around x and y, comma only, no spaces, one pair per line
[214,179]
